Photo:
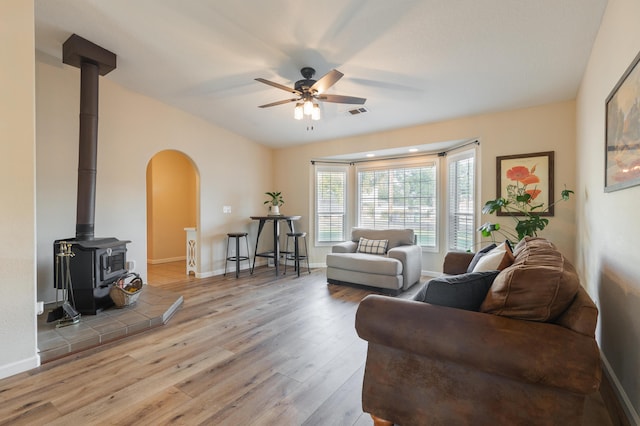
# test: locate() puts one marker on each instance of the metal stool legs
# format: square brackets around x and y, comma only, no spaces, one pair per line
[296,256]
[237,257]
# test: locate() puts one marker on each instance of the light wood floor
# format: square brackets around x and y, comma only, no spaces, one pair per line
[250,351]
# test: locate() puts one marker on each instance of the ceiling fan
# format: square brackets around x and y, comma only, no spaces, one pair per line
[308,91]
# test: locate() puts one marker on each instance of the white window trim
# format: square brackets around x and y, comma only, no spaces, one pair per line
[456,155]
[346,230]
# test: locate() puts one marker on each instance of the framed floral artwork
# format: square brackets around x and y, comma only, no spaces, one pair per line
[622,153]
[526,178]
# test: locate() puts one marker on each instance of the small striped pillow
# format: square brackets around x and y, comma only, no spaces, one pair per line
[372,246]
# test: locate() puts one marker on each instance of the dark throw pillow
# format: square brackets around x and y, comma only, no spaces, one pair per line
[479,255]
[466,291]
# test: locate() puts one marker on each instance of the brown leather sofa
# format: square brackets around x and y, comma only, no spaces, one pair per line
[436,365]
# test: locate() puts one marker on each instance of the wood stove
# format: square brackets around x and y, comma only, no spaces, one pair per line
[94,266]
[95,263]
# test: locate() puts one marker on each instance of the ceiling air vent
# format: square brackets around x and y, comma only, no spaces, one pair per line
[356,111]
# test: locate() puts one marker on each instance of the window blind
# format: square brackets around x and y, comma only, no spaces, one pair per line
[331,185]
[398,197]
[461,205]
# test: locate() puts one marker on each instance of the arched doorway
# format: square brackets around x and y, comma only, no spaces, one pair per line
[172,205]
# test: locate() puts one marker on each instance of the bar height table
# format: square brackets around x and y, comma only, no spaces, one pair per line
[275,253]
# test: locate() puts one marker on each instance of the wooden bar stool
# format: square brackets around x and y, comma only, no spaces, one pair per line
[295,255]
[237,257]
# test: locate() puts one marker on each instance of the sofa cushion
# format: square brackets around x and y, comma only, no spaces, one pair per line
[479,255]
[539,286]
[396,237]
[496,259]
[370,263]
[465,291]
[366,245]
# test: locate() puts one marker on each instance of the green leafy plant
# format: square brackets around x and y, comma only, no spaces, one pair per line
[275,199]
[520,205]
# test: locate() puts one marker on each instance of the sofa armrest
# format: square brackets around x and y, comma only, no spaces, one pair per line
[346,247]
[411,258]
[540,353]
[457,262]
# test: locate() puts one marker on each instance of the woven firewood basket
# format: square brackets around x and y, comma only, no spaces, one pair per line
[125,293]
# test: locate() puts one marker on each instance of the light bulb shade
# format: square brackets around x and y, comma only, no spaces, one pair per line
[297,112]
[308,107]
[315,113]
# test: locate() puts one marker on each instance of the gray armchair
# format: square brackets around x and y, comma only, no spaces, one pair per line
[396,270]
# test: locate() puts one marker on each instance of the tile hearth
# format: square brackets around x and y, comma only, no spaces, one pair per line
[154,307]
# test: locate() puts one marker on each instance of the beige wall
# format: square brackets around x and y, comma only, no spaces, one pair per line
[544,128]
[608,224]
[17,189]
[172,186]
[233,171]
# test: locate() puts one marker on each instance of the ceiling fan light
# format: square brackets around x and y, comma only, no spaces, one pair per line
[308,107]
[315,113]
[297,112]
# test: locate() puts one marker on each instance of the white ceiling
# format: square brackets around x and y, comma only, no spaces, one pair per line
[415,61]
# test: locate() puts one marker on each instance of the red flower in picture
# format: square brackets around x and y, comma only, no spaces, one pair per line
[523,175]
[534,193]
[530,179]
[517,173]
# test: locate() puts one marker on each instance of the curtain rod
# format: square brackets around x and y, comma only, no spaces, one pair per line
[422,154]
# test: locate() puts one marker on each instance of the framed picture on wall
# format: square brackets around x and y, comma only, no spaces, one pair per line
[622,153]
[530,174]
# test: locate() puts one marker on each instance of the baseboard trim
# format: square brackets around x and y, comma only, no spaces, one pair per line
[621,405]
[167,260]
[206,274]
[230,269]
[19,366]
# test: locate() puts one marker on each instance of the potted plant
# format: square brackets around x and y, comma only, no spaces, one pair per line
[275,201]
[521,207]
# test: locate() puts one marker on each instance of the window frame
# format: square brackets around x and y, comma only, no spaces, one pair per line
[412,162]
[461,155]
[344,169]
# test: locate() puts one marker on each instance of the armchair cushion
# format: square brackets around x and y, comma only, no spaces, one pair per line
[466,291]
[371,263]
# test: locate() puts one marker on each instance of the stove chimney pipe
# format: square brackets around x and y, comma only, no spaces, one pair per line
[93,61]
[87,151]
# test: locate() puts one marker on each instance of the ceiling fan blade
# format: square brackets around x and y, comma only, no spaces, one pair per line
[286,101]
[339,99]
[327,80]
[279,86]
